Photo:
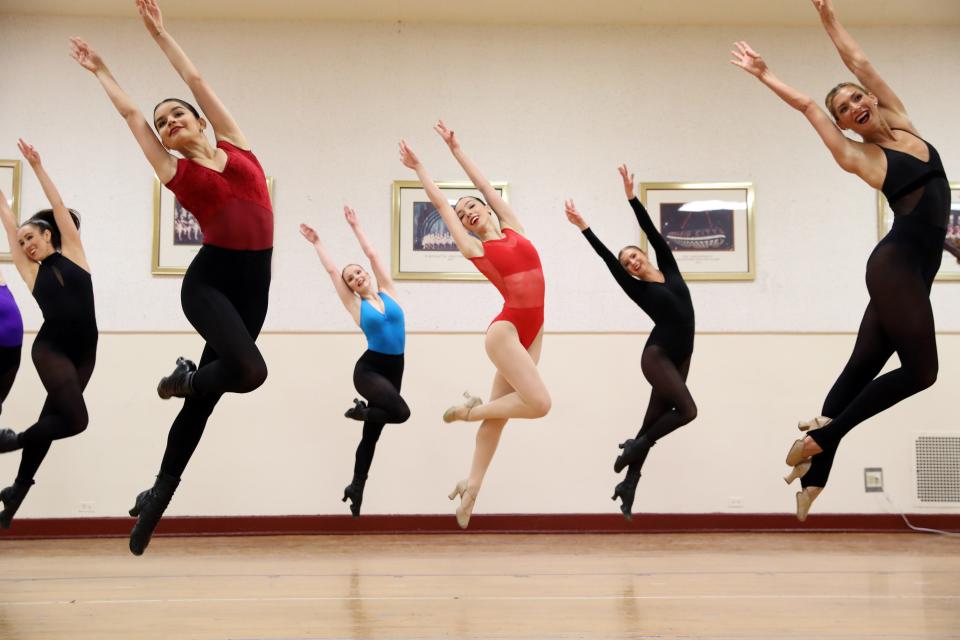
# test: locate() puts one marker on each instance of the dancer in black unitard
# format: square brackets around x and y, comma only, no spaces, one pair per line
[226,288]
[665,361]
[900,271]
[49,256]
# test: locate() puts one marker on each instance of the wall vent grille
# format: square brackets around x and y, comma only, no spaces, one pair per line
[938,469]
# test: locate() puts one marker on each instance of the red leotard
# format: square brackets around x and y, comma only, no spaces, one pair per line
[511,263]
[233,206]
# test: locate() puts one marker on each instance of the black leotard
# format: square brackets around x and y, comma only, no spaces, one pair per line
[899,318]
[64,293]
[668,304]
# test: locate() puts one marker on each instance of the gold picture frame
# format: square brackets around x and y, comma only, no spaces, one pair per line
[950,266]
[719,245]
[421,246]
[10,173]
[173,256]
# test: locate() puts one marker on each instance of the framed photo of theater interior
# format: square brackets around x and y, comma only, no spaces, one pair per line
[176,233]
[709,226]
[10,185]
[950,265]
[422,247]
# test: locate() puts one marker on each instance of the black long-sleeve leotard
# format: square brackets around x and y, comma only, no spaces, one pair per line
[668,304]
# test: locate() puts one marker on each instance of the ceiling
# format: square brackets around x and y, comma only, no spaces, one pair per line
[557,12]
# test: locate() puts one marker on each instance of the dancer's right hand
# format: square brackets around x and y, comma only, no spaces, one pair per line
[351,216]
[308,232]
[824,8]
[149,11]
[84,54]
[408,157]
[629,183]
[574,216]
[748,59]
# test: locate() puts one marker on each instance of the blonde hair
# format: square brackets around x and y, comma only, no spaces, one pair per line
[833,94]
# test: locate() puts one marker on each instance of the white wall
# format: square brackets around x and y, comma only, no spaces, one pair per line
[551,110]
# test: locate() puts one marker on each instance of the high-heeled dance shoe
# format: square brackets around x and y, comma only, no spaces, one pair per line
[795,454]
[626,491]
[465,508]
[354,491]
[358,411]
[798,471]
[148,508]
[9,441]
[635,451]
[450,415]
[12,497]
[180,382]
[805,499]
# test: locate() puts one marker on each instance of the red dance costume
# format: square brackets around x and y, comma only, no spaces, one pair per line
[233,206]
[512,264]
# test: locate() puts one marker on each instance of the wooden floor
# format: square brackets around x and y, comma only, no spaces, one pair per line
[725,586]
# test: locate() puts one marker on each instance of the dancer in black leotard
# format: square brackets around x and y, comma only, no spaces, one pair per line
[49,256]
[665,362]
[900,271]
[226,288]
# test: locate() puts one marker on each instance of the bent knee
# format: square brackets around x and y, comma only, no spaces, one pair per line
[251,375]
[927,378]
[688,413]
[78,424]
[403,414]
[541,405]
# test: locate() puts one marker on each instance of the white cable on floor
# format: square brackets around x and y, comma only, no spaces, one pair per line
[906,521]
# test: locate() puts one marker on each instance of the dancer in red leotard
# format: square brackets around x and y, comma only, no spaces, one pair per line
[225,289]
[514,337]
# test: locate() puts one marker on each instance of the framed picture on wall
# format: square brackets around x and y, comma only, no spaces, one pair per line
[176,233]
[950,266]
[423,248]
[708,225]
[10,185]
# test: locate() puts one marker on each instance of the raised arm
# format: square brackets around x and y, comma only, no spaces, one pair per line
[224,126]
[380,271]
[628,283]
[508,218]
[469,246]
[347,297]
[857,62]
[665,259]
[25,266]
[70,243]
[164,164]
[848,154]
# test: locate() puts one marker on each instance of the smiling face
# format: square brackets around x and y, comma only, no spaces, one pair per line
[177,124]
[854,108]
[357,278]
[35,241]
[635,262]
[474,214]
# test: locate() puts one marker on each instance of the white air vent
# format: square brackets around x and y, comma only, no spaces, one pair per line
[938,469]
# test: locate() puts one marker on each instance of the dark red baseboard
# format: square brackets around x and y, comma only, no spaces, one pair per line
[519,523]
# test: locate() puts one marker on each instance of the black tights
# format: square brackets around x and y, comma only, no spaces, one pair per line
[224,296]
[9,365]
[898,320]
[64,412]
[377,377]
[671,405]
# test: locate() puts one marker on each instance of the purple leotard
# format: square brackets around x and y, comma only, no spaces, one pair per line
[11,324]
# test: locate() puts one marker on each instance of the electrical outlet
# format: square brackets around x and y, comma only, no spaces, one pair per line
[88,507]
[873,480]
[735,502]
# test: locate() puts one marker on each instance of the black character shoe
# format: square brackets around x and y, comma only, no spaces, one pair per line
[180,382]
[12,497]
[354,491]
[626,491]
[148,509]
[635,450]
[358,411]
[9,441]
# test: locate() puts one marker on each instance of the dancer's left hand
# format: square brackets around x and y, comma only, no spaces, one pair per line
[447,134]
[29,152]
[748,59]
[309,233]
[150,13]
[351,216]
[574,216]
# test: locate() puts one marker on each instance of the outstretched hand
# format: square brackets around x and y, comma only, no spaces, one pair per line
[447,134]
[351,216]
[84,54]
[309,233]
[150,13]
[748,59]
[824,8]
[29,152]
[573,215]
[629,182]
[408,157]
